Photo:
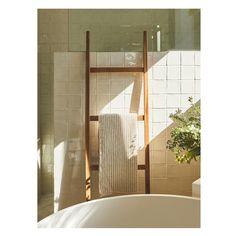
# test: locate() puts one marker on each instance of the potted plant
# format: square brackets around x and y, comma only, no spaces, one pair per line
[185,139]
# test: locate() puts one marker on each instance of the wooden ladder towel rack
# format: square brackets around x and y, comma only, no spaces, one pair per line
[89,118]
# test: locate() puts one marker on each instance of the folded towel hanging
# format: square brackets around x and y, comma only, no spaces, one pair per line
[117,153]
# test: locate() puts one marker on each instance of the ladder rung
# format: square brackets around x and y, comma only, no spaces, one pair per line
[140,167]
[95,118]
[116,69]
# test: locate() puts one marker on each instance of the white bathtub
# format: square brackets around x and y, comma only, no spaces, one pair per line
[130,211]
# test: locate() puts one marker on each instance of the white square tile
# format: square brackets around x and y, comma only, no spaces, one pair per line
[173,72]
[158,101]
[75,116]
[127,110]
[61,72]
[60,116]
[187,72]
[173,101]
[82,84]
[187,86]
[103,104]
[150,59]
[60,129]
[103,86]
[159,72]
[129,88]
[133,59]
[140,134]
[93,59]
[75,87]
[187,58]
[117,59]
[160,87]
[197,86]
[74,130]
[117,76]
[159,58]
[118,110]
[129,81]
[158,157]
[153,86]
[130,77]
[93,105]
[197,97]
[184,100]
[117,86]
[158,171]
[76,59]
[74,144]
[173,86]
[75,101]
[160,141]
[140,142]
[197,58]
[103,59]
[150,73]
[60,102]
[158,129]
[127,100]
[158,115]
[118,102]
[197,72]
[102,76]
[93,85]
[60,87]
[173,58]
[61,58]
[76,73]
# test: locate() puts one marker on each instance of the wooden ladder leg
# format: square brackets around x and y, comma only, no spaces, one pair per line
[146,118]
[87,120]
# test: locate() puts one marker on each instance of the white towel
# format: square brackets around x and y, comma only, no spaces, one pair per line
[117,153]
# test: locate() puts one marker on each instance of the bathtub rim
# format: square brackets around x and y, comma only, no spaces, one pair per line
[120,197]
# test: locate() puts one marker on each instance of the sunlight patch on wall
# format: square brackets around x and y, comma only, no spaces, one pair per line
[59,154]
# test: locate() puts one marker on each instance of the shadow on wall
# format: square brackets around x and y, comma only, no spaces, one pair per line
[109,93]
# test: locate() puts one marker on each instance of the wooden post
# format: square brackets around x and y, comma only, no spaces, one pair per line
[146,119]
[87,120]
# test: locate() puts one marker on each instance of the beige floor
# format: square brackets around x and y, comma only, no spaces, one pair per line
[45,206]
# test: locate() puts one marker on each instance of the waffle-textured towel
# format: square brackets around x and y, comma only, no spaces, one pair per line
[117,153]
